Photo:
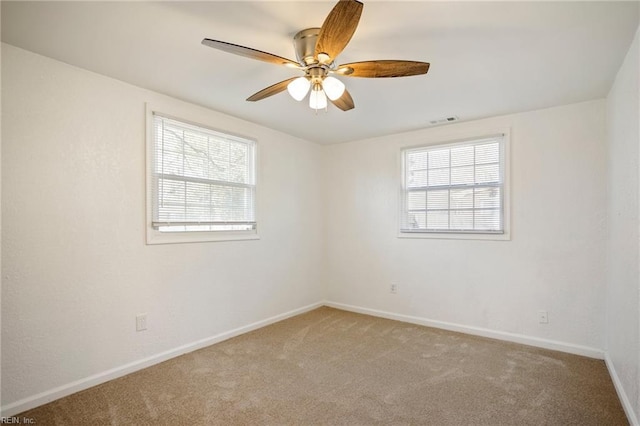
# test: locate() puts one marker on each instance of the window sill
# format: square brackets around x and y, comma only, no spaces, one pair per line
[456,236]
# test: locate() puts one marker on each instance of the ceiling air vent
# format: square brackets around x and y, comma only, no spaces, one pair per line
[444,120]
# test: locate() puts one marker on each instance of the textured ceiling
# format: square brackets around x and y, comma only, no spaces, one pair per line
[487,58]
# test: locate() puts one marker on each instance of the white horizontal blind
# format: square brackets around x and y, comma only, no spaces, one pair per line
[454,188]
[203,180]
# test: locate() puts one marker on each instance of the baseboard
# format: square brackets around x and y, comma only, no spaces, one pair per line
[96,379]
[624,399]
[476,331]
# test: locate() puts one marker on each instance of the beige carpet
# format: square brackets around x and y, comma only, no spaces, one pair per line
[334,367]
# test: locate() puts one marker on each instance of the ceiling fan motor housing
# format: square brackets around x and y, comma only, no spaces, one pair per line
[304,43]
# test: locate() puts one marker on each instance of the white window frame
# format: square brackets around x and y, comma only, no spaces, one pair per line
[196,118]
[461,139]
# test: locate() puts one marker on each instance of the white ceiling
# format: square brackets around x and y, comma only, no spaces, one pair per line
[487,58]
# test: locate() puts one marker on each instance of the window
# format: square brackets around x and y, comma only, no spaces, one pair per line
[201,180]
[454,188]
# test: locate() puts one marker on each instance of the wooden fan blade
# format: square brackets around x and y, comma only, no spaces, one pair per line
[338,28]
[248,52]
[383,69]
[271,90]
[344,102]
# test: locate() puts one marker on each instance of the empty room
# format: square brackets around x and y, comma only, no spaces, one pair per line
[320,212]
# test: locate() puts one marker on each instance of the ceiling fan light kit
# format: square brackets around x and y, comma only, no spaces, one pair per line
[316,51]
[299,88]
[333,87]
[317,99]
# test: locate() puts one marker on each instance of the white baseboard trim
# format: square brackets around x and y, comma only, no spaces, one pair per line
[476,331]
[114,373]
[624,399]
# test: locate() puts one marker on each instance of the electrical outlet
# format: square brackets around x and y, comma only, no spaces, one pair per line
[393,288]
[141,322]
[543,317]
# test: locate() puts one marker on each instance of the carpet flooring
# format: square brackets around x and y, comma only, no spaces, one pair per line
[339,368]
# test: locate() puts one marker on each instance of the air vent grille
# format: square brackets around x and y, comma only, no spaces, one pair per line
[444,120]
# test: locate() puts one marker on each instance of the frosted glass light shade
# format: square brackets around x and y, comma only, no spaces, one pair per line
[333,87]
[318,100]
[298,88]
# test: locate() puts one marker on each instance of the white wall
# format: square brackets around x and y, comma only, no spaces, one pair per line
[623,275]
[76,269]
[554,261]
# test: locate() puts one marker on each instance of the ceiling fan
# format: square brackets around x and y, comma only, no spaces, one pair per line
[316,50]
